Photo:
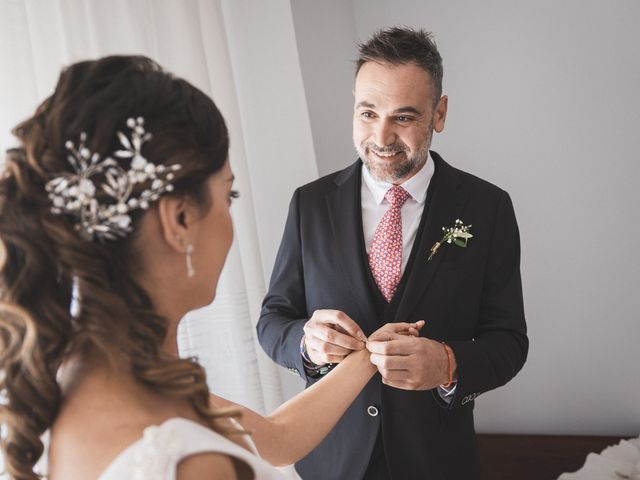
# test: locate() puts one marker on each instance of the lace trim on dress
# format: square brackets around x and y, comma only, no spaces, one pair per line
[158,452]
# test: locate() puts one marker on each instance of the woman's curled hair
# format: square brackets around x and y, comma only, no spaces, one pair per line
[47,266]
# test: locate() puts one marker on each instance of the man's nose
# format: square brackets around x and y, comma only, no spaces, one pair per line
[384,133]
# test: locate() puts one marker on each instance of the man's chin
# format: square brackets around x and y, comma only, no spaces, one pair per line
[382,173]
[385,170]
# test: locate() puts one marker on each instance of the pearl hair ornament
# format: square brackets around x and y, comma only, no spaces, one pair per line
[107,217]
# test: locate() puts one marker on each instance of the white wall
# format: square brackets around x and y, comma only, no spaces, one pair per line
[543,102]
[275,123]
[326,40]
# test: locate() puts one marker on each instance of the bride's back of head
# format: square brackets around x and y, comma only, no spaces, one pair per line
[53,250]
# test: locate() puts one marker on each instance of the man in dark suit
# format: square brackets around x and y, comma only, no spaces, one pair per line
[400,235]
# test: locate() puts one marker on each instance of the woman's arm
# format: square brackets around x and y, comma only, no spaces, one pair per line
[300,424]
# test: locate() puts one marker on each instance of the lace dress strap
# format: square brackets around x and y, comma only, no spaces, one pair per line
[157,454]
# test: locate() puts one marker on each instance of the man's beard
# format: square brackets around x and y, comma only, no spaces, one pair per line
[393,171]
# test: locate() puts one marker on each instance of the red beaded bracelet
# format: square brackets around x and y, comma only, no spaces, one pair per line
[447,349]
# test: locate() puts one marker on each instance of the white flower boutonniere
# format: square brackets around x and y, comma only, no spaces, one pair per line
[458,235]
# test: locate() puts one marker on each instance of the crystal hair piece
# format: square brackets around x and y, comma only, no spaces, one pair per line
[106,217]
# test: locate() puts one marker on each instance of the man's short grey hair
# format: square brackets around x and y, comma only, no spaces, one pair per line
[404,45]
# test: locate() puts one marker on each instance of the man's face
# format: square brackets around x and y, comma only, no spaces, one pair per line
[394,119]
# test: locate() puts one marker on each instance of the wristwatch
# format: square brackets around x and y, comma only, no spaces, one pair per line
[312,370]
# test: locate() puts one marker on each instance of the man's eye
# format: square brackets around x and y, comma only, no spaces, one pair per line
[403,118]
[366,115]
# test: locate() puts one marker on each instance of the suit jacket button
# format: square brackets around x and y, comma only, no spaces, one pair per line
[373,411]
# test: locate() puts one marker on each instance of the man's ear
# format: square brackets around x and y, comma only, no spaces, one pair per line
[440,114]
[175,215]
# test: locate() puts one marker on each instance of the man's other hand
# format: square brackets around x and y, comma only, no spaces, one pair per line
[331,335]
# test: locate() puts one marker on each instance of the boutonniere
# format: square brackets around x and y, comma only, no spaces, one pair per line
[458,235]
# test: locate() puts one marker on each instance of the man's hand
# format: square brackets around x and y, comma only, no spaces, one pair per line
[331,335]
[408,362]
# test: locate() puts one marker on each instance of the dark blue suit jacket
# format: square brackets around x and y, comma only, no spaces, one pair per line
[469,297]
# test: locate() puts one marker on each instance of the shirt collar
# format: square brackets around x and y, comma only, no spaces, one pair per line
[416,186]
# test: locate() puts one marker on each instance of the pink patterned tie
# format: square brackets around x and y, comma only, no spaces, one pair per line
[385,254]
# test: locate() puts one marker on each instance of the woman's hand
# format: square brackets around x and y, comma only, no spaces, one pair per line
[386,332]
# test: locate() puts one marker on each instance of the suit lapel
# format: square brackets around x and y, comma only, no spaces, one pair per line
[345,214]
[444,206]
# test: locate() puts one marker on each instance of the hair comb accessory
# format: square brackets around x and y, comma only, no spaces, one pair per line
[106,216]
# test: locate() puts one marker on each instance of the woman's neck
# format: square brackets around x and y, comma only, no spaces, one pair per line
[109,387]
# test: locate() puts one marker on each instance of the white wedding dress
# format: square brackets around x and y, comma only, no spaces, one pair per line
[156,455]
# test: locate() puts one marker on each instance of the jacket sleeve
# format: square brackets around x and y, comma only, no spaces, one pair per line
[500,344]
[284,309]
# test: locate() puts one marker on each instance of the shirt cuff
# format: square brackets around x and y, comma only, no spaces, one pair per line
[446,394]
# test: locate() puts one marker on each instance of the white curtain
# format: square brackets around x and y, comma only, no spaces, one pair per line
[193,39]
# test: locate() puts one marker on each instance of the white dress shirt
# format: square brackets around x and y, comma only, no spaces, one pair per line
[374,206]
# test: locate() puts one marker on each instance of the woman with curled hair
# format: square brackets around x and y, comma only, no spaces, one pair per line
[114,223]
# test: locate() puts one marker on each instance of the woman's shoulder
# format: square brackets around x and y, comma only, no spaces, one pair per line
[162,447]
[188,448]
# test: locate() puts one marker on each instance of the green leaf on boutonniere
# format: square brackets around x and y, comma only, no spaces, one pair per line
[459,235]
[460,242]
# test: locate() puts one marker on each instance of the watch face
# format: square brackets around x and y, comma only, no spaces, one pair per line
[323,370]
[312,370]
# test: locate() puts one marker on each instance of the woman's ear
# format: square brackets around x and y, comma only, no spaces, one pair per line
[175,215]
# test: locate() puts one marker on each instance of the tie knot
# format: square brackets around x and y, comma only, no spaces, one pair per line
[396,196]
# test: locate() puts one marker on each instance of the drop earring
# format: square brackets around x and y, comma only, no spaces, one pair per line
[190,271]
